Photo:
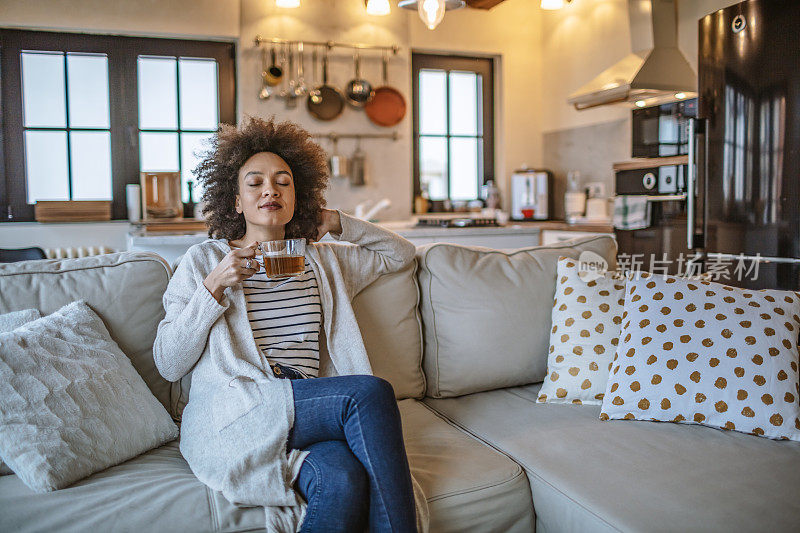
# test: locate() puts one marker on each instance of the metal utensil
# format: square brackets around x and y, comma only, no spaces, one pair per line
[338,163]
[314,95]
[291,94]
[331,102]
[274,73]
[388,107]
[358,166]
[264,93]
[300,88]
[358,91]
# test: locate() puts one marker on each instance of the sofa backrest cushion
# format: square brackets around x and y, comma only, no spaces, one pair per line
[124,289]
[387,314]
[486,313]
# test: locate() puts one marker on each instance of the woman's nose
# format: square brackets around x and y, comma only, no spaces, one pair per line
[271,192]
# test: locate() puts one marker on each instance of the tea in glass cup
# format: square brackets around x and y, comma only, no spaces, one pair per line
[284,258]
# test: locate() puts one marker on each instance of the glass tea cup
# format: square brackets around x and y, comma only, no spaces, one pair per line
[284,258]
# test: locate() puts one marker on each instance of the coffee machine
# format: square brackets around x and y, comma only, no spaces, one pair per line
[531,194]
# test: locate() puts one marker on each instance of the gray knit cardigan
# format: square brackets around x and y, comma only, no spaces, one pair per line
[235,426]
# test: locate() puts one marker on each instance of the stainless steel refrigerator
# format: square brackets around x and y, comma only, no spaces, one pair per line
[745,210]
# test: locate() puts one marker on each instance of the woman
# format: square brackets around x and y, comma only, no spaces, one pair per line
[264,423]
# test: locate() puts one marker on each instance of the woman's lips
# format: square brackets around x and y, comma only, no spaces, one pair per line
[271,207]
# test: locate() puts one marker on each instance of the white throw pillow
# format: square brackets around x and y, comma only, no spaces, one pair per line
[704,353]
[587,318]
[10,322]
[71,403]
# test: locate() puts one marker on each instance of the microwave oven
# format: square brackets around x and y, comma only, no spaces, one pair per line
[661,130]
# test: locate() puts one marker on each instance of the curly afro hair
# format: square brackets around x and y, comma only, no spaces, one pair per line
[218,172]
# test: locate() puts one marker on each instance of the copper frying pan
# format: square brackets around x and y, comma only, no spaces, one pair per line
[388,107]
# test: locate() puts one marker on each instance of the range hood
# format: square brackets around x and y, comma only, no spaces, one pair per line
[655,72]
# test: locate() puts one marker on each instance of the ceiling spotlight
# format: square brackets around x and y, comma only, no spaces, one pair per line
[640,103]
[378,7]
[680,96]
[287,3]
[431,11]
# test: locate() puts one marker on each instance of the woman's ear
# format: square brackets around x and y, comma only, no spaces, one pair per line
[238,205]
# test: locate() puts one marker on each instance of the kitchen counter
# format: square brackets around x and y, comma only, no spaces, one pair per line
[512,235]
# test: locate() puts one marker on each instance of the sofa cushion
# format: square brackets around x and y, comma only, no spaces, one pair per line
[706,353]
[124,289]
[71,403]
[486,313]
[387,315]
[588,475]
[469,487]
[153,492]
[587,317]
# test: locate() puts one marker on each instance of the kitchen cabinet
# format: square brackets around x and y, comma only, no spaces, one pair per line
[554,236]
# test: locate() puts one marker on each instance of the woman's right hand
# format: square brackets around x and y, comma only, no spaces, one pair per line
[232,270]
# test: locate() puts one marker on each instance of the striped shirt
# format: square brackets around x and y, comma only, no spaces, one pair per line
[285,315]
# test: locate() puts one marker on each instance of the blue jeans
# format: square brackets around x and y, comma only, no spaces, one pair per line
[358,466]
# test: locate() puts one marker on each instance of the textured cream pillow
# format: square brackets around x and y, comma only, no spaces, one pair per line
[704,353]
[10,322]
[71,402]
[587,317]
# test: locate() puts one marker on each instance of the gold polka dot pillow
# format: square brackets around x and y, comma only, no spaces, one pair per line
[587,317]
[704,353]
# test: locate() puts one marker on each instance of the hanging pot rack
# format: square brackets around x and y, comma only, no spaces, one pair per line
[394,49]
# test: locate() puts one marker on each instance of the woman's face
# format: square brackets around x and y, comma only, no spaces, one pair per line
[266,190]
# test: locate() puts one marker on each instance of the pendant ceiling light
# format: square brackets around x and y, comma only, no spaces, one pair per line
[431,11]
[287,3]
[378,7]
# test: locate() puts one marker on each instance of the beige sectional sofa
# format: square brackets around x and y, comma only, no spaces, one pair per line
[462,336]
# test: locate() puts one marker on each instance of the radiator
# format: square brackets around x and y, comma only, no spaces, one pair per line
[76,251]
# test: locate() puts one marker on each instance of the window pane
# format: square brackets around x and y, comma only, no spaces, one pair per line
[432,102]
[43,89]
[198,87]
[158,93]
[192,144]
[464,103]
[46,165]
[158,152]
[90,159]
[87,78]
[464,168]
[432,166]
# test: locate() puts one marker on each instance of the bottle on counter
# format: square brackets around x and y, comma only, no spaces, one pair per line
[188,207]
[574,198]
[492,194]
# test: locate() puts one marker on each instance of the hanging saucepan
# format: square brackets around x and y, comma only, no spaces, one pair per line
[387,107]
[329,101]
[274,73]
[358,91]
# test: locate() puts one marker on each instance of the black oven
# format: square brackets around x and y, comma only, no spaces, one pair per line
[665,235]
[660,131]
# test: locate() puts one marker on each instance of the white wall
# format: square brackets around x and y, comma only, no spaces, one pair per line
[166,18]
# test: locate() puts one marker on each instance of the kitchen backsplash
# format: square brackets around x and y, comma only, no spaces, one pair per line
[591,150]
